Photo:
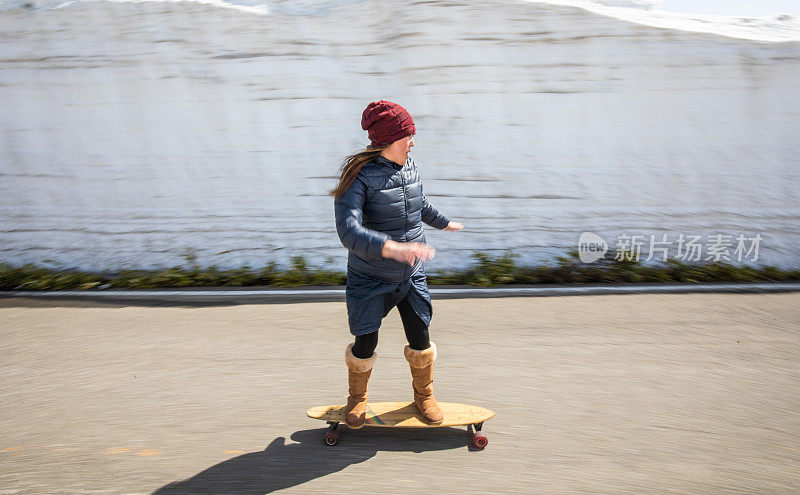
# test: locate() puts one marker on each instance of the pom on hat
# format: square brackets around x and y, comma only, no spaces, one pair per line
[386,122]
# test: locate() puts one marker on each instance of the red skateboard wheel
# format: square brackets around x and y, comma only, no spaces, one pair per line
[331,439]
[479,440]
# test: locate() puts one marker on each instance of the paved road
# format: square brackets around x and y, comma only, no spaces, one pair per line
[667,393]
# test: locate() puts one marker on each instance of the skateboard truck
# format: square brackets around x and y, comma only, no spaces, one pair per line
[479,439]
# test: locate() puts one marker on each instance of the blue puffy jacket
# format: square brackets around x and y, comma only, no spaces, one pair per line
[384,202]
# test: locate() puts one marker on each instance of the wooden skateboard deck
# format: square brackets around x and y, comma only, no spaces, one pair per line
[405,414]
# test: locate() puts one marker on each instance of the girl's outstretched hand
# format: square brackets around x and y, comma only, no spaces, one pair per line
[454,226]
[407,252]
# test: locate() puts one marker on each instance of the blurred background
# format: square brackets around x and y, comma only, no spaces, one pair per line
[135,130]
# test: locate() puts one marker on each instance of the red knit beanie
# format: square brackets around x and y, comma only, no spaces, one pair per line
[386,122]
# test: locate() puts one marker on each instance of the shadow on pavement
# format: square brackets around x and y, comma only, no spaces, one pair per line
[282,466]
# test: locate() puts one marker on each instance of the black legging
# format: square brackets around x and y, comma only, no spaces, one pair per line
[416,333]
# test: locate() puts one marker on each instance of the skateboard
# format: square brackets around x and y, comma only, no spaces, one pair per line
[405,414]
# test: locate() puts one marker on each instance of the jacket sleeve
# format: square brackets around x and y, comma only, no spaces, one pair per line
[365,243]
[431,215]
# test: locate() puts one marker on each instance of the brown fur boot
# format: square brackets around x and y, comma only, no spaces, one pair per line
[421,363]
[358,373]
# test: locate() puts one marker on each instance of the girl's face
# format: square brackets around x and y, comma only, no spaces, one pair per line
[401,148]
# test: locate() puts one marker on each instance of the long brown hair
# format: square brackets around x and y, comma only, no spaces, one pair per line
[352,165]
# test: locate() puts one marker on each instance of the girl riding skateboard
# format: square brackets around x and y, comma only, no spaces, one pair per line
[379,207]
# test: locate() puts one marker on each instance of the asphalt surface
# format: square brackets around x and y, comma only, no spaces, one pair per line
[659,393]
